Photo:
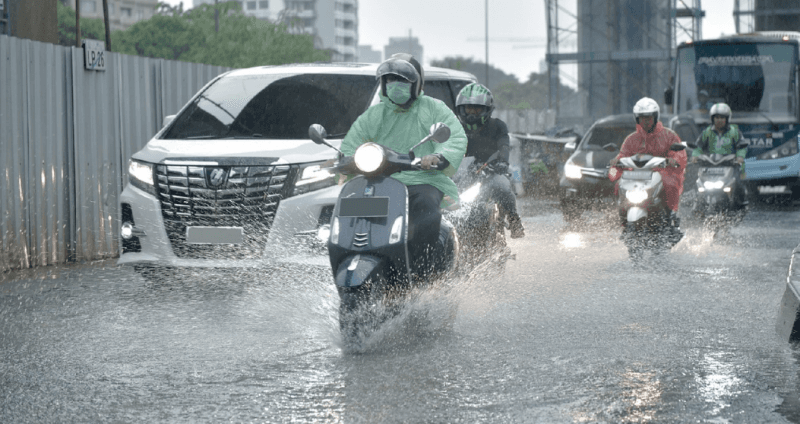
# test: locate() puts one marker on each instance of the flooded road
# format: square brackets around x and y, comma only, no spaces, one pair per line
[570,331]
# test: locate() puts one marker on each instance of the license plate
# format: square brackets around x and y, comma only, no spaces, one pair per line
[214,235]
[637,175]
[772,189]
[714,171]
[366,207]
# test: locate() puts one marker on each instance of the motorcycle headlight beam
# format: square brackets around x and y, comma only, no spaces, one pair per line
[470,194]
[636,196]
[369,157]
[713,185]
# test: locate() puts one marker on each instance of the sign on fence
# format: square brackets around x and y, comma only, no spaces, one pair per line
[94,55]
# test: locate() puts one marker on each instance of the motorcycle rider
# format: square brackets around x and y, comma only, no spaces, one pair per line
[401,119]
[652,138]
[486,136]
[722,137]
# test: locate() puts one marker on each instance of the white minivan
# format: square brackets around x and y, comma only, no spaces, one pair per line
[233,179]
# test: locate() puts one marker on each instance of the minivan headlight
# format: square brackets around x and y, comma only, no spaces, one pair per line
[140,175]
[572,171]
[314,177]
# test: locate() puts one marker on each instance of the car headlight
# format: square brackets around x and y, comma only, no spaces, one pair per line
[369,157]
[314,177]
[140,175]
[636,196]
[572,171]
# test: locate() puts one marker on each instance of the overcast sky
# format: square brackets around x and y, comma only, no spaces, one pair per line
[517,28]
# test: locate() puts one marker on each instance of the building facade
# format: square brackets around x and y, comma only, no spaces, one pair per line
[121,13]
[408,44]
[261,9]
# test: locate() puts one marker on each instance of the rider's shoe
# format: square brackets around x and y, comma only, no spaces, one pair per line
[515,226]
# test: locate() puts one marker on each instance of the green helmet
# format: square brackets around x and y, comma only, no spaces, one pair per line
[474,95]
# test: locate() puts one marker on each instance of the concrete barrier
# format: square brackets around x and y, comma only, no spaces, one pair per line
[788,325]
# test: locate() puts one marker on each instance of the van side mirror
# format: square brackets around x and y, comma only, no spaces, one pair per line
[570,147]
[669,95]
[167,120]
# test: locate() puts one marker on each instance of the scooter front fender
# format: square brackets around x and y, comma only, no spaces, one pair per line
[636,213]
[357,269]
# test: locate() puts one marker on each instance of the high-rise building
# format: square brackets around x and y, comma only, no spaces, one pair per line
[408,44]
[261,9]
[121,13]
[367,55]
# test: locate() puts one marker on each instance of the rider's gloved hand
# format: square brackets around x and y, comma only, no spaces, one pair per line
[431,161]
[500,167]
[740,160]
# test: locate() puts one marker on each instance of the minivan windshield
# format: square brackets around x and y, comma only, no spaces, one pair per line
[278,106]
[602,135]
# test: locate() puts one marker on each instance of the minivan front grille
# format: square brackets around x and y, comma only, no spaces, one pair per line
[221,196]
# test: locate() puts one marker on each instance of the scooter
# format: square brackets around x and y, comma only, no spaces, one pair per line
[368,235]
[721,195]
[480,226]
[643,207]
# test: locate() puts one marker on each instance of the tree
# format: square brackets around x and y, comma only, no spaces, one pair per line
[190,36]
[508,92]
[90,28]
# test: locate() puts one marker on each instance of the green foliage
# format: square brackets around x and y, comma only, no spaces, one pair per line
[190,36]
[508,92]
[90,28]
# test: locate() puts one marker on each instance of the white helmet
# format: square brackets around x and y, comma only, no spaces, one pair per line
[720,109]
[646,106]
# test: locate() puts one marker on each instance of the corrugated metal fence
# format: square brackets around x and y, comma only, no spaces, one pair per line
[65,138]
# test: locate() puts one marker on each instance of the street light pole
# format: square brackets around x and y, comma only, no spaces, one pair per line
[486,15]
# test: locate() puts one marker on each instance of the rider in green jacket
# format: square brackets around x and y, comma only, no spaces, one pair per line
[403,118]
[722,137]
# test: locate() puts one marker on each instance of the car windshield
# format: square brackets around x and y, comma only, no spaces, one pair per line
[752,78]
[601,136]
[275,106]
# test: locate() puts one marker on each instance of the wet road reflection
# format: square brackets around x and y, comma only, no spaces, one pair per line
[569,331]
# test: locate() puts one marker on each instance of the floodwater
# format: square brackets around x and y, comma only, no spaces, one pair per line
[570,331]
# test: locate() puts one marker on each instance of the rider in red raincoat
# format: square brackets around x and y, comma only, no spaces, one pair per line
[652,138]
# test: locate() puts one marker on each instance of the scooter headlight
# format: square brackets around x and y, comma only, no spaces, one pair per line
[369,157]
[470,194]
[713,185]
[636,196]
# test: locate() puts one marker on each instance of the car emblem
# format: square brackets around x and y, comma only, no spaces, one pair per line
[369,190]
[216,176]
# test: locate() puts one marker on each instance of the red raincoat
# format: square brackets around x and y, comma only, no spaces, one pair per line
[656,143]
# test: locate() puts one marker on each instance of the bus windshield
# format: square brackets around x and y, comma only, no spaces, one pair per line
[757,80]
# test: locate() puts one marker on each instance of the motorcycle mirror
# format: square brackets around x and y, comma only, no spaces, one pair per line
[317,133]
[440,132]
[742,145]
[610,147]
[691,145]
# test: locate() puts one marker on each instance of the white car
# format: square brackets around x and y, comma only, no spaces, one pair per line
[234,181]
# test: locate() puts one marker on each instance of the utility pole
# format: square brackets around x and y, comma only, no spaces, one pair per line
[105,22]
[486,15]
[77,23]
[216,16]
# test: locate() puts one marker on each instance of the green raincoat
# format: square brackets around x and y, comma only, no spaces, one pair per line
[400,129]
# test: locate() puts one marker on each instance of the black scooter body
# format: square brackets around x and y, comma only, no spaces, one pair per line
[363,247]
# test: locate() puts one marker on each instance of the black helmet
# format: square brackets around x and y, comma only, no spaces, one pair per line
[405,66]
[474,95]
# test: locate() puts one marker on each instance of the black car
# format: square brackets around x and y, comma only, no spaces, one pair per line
[584,179]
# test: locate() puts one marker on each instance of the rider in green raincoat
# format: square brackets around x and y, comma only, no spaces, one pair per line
[403,118]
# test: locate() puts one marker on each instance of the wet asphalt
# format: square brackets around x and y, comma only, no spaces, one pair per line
[568,330]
